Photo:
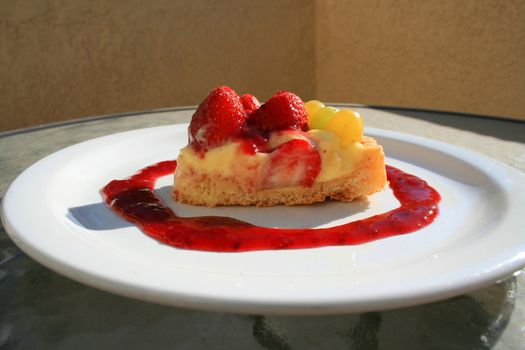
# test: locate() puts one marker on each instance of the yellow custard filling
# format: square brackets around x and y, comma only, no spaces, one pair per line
[231,160]
[336,160]
[224,159]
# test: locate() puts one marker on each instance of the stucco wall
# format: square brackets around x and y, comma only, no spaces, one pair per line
[73,58]
[466,56]
[68,59]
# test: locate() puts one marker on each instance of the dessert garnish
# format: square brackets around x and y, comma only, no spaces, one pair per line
[135,200]
[281,152]
[242,152]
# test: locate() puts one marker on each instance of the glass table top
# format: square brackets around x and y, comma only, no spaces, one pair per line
[40,309]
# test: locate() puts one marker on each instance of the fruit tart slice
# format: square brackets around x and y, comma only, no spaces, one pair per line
[282,152]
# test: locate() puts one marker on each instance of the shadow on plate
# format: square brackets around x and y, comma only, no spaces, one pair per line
[98,216]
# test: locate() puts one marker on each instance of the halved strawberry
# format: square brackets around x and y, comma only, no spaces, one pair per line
[282,111]
[294,163]
[250,103]
[218,118]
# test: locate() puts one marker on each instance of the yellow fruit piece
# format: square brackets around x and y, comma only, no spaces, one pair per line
[323,117]
[348,125]
[311,108]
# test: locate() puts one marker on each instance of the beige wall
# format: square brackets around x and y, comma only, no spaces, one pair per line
[465,55]
[74,58]
[69,59]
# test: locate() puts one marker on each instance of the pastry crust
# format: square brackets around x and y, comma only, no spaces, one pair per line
[368,176]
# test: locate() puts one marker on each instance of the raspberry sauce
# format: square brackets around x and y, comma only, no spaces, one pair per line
[135,200]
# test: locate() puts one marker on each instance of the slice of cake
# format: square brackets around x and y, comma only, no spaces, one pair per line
[282,152]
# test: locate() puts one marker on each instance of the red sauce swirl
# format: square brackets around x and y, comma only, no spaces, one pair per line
[135,200]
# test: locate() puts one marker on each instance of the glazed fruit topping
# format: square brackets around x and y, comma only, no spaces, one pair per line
[294,162]
[323,117]
[250,103]
[224,116]
[282,111]
[218,118]
[348,125]
[345,123]
[312,107]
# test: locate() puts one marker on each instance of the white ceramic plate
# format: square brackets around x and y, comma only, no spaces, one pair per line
[53,211]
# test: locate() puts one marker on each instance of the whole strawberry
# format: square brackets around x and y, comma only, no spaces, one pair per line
[250,103]
[218,118]
[282,111]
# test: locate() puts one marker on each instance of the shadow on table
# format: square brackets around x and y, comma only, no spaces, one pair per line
[503,129]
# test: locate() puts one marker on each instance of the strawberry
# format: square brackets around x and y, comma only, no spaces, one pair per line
[282,111]
[250,103]
[293,163]
[217,119]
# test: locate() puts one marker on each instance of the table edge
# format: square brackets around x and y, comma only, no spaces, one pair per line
[191,107]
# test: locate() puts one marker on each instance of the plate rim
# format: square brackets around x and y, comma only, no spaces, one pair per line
[250,305]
